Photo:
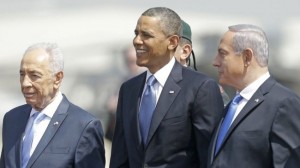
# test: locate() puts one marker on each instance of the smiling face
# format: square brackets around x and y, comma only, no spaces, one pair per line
[229,64]
[153,48]
[38,84]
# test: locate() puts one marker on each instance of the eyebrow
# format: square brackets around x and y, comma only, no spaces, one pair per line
[222,50]
[31,71]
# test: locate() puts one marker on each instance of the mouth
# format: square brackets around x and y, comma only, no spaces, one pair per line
[28,95]
[140,52]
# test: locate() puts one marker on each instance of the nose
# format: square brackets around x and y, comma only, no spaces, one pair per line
[216,62]
[137,40]
[25,81]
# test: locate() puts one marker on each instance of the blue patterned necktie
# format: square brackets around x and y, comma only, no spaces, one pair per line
[147,107]
[227,121]
[29,134]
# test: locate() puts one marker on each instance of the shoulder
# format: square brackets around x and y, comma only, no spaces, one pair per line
[19,110]
[134,81]
[282,91]
[81,120]
[196,77]
[75,113]
[79,113]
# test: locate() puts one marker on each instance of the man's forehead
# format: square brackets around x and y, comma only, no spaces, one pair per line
[39,55]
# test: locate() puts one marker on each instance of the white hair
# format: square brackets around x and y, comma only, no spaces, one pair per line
[55,55]
[250,36]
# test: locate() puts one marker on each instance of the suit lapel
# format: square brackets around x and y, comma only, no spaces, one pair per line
[137,91]
[167,96]
[255,100]
[56,121]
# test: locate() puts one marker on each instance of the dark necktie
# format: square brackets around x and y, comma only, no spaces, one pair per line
[29,134]
[147,107]
[227,121]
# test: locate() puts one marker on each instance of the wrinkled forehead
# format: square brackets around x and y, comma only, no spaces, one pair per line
[38,55]
[37,58]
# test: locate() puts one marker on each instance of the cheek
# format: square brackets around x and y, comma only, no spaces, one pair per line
[43,88]
[141,60]
[38,89]
[228,72]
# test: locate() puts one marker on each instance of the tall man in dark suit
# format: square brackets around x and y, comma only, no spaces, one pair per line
[62,134]
[263,129]
[175,128]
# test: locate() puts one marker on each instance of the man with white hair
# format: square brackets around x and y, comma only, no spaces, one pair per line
[49,131]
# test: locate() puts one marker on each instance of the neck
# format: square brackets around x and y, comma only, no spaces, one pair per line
[251,77]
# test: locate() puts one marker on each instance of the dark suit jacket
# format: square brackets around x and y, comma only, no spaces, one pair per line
[188,109]
[265,132]
[76,141]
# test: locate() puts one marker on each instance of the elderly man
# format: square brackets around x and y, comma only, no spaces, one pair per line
[49,131]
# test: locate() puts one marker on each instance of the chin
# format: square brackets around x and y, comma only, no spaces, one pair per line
[222,82]
[31,102]
[141,64]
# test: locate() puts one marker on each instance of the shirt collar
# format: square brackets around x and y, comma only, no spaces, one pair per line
[50,109]
[248,92]
[162,74]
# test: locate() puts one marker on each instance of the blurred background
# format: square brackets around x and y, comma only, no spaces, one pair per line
[94,33]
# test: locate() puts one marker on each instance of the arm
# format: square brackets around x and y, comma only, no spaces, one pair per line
[285,135]
[119,158]
[206,114]
[90,150]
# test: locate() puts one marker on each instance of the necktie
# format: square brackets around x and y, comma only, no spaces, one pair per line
[147,107]
[227,121]
[29,134]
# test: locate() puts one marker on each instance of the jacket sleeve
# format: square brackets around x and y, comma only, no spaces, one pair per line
[90,151]
[206,114]
[285,135]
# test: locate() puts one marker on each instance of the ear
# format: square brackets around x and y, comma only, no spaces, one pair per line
[247,56]
[186,51]
[173,42]
[58,79]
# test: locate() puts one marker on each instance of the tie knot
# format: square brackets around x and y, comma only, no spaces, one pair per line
[38,117]
[237,99]
[151,80]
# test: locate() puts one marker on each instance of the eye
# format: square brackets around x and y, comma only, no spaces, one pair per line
[222,53]
[147,35]
[21,74]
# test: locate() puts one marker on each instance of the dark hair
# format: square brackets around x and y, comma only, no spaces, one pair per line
[169,20]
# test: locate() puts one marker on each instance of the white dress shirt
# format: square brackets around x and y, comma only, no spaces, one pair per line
[248,92]
[161,76]
[41,127]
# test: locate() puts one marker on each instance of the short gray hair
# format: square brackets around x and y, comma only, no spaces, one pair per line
[55,55]
[169,20]
[251,36]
